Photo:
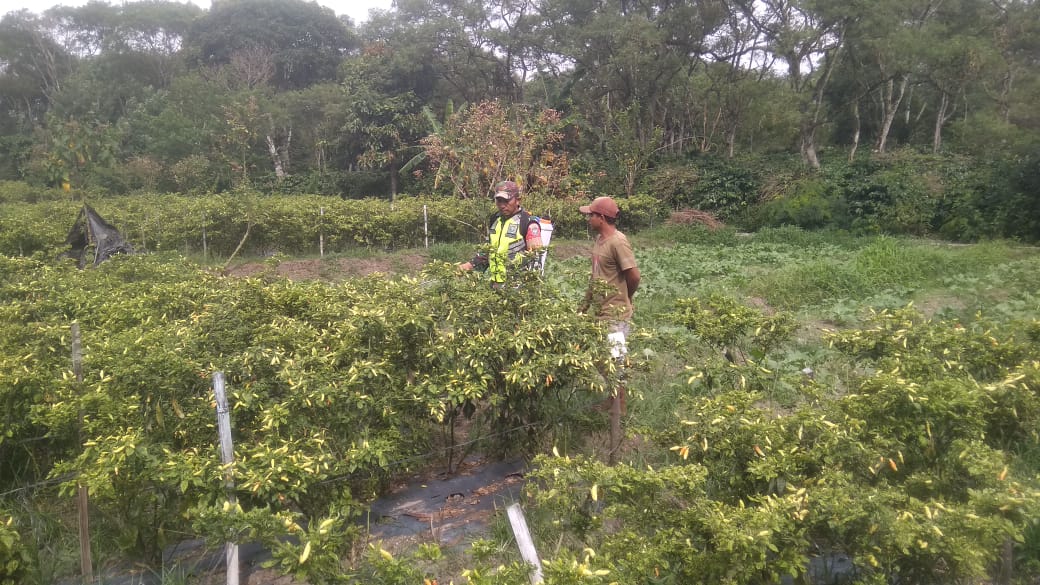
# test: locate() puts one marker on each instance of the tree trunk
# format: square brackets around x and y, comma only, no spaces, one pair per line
[890,100]
[808,147]
[941,117]
[1005,95]
[807,136]
[855,131]
[285,150]
[811,119]
[279,171]
[937,131]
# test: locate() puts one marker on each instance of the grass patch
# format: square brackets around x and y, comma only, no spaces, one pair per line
[688,234]
[452,252]
[797,237]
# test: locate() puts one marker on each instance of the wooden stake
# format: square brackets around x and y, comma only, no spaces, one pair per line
[86,566]
[241,243]
[524,541]
[227,457]
[615,425]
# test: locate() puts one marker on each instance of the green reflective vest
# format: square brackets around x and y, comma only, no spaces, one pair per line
[507,239]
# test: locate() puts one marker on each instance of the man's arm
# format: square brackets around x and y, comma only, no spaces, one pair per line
[632,278]
[480,259]
[479,262]
[533,237]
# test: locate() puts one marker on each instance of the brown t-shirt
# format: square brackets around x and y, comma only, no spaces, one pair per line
[611,256]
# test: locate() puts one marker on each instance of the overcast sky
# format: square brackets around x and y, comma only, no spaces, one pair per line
[355,9]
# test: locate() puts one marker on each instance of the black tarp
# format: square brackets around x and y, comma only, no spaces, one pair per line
[91,230]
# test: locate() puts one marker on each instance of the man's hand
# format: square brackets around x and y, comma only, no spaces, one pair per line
[465,266]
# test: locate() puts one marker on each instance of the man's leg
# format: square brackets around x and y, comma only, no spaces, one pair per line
[617,338]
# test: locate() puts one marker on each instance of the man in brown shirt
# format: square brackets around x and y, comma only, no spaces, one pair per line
[614,280]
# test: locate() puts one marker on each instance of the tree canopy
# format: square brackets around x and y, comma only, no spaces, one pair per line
[313,102]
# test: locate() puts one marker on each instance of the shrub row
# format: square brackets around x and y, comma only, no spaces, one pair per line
[281,223]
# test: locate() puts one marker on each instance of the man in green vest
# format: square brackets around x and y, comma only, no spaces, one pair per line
[511,232]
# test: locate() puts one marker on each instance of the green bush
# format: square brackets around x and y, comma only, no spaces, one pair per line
[29,228]
[15,560]
[15,152]
[1019,211]
[902,473]
[334,387]
[194,174]
[971,207]
[21,192]
[672,184]
[904,192]
[809,203]
[892,201]
[726,188]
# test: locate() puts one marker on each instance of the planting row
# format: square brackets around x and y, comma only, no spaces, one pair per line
[294,225]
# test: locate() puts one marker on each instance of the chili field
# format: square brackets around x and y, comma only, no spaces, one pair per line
[796,399]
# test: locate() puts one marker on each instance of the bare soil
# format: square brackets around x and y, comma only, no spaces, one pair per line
[337,269]
[406,263]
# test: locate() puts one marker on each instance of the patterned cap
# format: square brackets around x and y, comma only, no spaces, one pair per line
[506,190]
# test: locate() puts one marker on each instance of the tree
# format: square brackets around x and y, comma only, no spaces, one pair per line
[730,78]
[34,65]
[956,62]
[663,45]
[1016,36]
[384,108]
[84,31]
[451,44]
[307,41]
[807,38]
[182,120]
[32,70]
[68,149]
[884,55]
[121,53]
[156,29]
[489,142]
[628,151]
[316,116]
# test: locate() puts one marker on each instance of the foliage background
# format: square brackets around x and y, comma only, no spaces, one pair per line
[901,117]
